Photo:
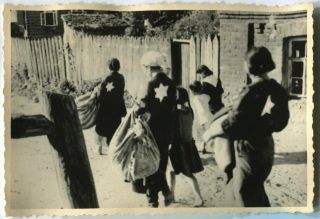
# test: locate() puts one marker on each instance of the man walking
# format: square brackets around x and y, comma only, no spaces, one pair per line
[158,103]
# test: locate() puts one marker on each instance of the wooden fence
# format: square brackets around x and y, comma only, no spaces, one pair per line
[88,56]
[78,56]
[42,58]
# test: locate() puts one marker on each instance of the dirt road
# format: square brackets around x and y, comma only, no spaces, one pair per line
[34,173]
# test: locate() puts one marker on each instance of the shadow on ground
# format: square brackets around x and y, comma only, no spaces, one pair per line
[291,158]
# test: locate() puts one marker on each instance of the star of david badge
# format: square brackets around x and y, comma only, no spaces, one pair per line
[109,86]
[161,92]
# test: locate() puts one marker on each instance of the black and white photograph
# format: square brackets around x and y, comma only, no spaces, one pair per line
[173,107]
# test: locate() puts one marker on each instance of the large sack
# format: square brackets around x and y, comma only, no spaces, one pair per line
[223,153]
[133,151]
[87,106]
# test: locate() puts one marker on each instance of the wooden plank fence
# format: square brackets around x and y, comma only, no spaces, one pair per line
[78,56]
[42,58]
[88,56]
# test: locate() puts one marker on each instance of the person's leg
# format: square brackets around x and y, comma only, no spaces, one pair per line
[152,190]
[164,187]
[173,183]
[100,143]
[252,168]
[152,196]
[196,189]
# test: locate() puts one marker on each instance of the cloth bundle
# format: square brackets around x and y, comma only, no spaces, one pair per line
[87,106]
[133,150]
[223,146]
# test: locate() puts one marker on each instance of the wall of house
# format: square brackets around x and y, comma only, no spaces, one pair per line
[234,39]
[233,44]
[35,29]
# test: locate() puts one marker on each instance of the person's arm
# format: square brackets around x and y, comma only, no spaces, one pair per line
[242,115]
[143,99]
[121,86]
[215,129]
[219,88]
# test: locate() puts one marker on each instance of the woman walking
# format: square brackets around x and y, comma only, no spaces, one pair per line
[111,104]
[214,92]
[251,131]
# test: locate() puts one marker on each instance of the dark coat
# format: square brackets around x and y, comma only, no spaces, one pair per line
[112,106]
[161,110]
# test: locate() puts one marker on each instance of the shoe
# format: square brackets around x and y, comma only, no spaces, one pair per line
[103,150]
[154,204]
[198,203]
[169,199]
[204,151]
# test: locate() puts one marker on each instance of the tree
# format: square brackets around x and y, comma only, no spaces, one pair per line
[160,22]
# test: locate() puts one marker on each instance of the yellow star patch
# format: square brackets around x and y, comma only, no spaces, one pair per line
[109,86]
[161,92]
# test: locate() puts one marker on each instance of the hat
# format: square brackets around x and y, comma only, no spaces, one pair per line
[203,69]
[152,59]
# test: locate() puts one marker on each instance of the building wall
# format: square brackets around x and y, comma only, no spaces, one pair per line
[35,29]
[234,35]
[233,44]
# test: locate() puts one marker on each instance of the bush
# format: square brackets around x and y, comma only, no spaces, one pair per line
[24,86]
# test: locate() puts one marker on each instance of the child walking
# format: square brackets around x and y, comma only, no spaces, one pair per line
[184,155]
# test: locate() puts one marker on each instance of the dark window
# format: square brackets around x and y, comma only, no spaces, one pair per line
[297,69]
[298,49]
[49,18]
[297,62]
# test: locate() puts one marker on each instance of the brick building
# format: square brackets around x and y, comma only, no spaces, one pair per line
[284,34]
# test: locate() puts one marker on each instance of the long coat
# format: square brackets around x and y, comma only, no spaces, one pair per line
[254,146]
[111,105]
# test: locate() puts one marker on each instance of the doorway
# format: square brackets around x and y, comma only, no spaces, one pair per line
[180,62]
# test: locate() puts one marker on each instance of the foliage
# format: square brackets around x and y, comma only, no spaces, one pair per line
[94,21]
[203,23]
[179,24]
[25,86]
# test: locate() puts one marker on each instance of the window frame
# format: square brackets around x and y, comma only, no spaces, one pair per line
[43,21]
[289,62]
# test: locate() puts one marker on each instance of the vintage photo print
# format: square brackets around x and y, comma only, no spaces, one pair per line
[150,109]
